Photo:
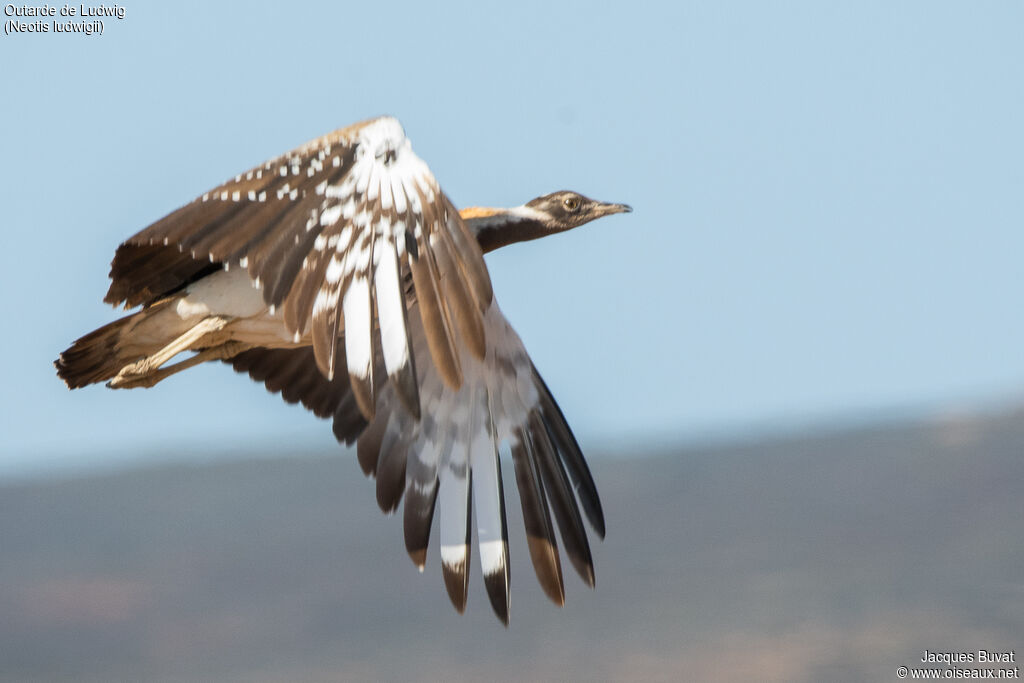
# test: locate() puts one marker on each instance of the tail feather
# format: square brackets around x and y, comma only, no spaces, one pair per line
[95,357]
[100,355]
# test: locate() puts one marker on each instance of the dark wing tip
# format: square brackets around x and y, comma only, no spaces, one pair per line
[547,567]
[456,582]
[497,591]
[418,557]
[562,439]
[589,577]
[418,513]
[391,474]
[563,502]
[540,535]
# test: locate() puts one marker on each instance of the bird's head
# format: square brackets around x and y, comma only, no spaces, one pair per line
[545,215]
[565,210]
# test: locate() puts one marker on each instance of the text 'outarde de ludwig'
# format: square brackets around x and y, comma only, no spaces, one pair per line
[67,10]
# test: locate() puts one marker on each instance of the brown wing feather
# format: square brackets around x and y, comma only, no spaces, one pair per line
[344,216]
[241,217]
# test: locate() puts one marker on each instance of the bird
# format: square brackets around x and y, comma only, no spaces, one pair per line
[341,276]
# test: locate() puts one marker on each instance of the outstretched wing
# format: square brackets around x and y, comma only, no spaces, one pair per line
[329,232]
[449,458]
[351,240]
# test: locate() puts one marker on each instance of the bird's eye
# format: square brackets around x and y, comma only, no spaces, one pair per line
[571,203]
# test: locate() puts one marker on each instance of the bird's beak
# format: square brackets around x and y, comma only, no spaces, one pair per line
[609,209]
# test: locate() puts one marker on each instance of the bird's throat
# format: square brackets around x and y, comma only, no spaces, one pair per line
[495,228]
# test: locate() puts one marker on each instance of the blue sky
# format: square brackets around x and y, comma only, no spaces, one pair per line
[828,201]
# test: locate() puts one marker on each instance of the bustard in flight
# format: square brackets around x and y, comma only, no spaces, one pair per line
[341,276]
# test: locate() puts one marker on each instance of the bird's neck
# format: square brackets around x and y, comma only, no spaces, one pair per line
[494,228]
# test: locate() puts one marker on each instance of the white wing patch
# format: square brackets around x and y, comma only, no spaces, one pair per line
[226,293]
[391,310]
[365,220]
[356,308]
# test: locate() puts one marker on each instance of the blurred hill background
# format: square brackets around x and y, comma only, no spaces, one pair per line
[827,227]
[831,556]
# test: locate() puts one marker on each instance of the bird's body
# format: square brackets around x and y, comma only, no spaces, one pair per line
[341,276]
